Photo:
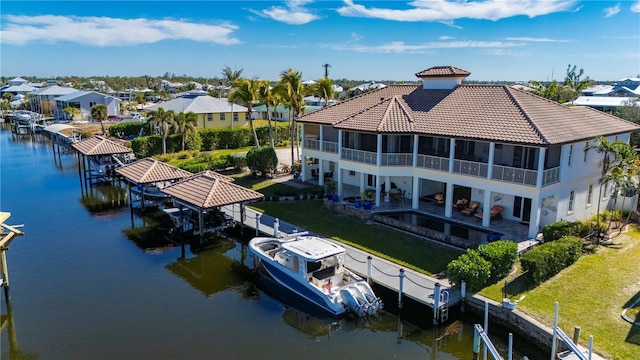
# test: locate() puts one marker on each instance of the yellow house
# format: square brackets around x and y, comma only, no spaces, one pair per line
[211,112]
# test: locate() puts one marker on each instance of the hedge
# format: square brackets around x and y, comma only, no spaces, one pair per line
[262,159]
[470,267]
[555,231]
[544,261]
[502,255]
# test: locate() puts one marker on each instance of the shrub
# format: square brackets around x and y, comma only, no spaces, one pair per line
[559,229]
[238,160]
[470,267]
[501,255]
[125,129]
[546,260]
[262,159]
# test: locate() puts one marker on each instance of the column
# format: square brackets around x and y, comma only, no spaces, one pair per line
[320,172]
[339,145]
[486,208]
[540,178]
[415,150]
[534,219]
[452,153]
[338,172]
[377,190]
[448,203]
[492,148]
[321,139]
[379,152]
[415,194]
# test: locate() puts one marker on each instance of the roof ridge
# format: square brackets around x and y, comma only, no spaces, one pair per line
[508,90]
[144,176]
[212,189]
[393,100]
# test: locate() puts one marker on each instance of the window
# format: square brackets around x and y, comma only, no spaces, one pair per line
[235,116]
[586,151]
[209,117]
[92,103]
[572,195]
[221,116]
[352,173]
[570,154]
[371,180]
[590,195]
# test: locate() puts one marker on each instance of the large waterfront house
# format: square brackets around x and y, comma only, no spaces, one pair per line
[211,112]
[444,140]
[84,101]
[43,100]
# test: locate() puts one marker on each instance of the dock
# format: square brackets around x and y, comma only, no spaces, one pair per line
[412,284]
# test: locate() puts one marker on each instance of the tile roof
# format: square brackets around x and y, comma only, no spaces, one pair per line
[97,145]
[208,189]
[149,170]
[438,71]
[486,112]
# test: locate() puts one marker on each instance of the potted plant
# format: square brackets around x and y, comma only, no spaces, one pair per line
[330,188]
[367,197]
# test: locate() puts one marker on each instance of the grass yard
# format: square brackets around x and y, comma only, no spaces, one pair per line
[410,251]
[592,293]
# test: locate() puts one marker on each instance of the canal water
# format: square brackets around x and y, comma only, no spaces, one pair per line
[80,289]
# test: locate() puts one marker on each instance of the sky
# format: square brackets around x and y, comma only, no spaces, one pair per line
[509,40]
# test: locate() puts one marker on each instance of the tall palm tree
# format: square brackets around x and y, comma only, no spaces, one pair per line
[186,125]
[246,92]
[326,69]
[293,96]
[162,121]
[230,76]
[270,98]
[323,89]
[574,81]
[99,113]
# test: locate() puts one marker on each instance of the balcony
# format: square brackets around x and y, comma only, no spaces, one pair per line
[515,175]
[330,147]
[433,162]
[360,156]
[397,159]
[312,144]
[472,168]
[551,176]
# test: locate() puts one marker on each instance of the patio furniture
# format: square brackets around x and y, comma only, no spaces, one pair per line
[494,212]
[439,199]
[471,209]
[315,173]
[461,204]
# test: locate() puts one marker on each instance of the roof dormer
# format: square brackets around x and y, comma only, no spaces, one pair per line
[442,77]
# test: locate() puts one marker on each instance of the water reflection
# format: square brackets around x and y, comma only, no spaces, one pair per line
[7,322]
[104,200]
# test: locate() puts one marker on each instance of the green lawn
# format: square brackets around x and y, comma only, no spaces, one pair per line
[410,251]
[591,294]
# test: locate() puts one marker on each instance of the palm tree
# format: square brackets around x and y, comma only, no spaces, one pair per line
[71,111]
[163,121]
[185,125]
[574,81]
[269,97]
[230,76]
[246,92]
[293,94]
[99,113]
[324,90]
[326,69]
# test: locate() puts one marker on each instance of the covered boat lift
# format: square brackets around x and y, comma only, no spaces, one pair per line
[204,191]
[148,176]
[101,157]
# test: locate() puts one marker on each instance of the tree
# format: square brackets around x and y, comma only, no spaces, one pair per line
[631,112]
[552,91]
[324,90]
[99,113]
[230,76]
[269,98]
[326,69]
[262,159]
[71,111]
[163,122]
[246,92]
[293,94]
[574,81]
[185,125]
[140,100]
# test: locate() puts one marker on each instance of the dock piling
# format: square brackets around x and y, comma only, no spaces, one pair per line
[369,258]
[400,289]
[436,305]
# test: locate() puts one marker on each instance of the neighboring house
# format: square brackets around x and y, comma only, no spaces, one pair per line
[84,100]
[43,101]
[19,86]
[609,98]
[211,112]
[316,101]
[169,86]
[281,113]
[367,87]
[501,145]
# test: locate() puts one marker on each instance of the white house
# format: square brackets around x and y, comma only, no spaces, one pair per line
[84,100]
[43,100]
[609,98]
[496,144]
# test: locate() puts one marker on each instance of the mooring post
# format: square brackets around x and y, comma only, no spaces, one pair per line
[276,225]
[400,289]
[590,346]
[241,219]
[436,303]
[510,348]
[258,215]
[476,342]
[555,332]
[486,325]
[576,334]
[369,258]
[463,294]
[5,273]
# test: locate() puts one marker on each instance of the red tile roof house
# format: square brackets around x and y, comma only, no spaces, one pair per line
[505,146]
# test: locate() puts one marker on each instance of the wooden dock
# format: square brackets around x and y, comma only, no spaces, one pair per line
[417,286]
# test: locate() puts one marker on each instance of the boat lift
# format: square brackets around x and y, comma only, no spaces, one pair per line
[6,236]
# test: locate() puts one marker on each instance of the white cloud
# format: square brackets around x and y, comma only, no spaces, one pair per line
[293,14]
[447,10]
[636,7]
[610,11]
[399,47]
[105,31]
[444,37]
[531,39]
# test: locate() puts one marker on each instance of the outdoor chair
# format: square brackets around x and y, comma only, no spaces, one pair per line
[439,199]
[461,204]
[494,212]
[471,209]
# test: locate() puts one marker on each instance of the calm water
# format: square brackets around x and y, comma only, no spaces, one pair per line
[80,289]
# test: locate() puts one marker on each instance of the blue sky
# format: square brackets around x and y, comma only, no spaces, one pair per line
[366,40]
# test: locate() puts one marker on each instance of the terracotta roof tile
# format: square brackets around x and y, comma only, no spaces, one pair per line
[208,189]
[441,71]
[149,170]
[97,145]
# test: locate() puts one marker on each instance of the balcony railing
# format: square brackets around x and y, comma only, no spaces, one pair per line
[330,147]
[470,168]
[433,162]
[515,175]
[312,144]
[397,159]
[551,176]
[359,156]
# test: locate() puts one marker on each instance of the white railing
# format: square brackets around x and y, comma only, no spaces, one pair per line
[470,168]
[366,157]
[433,162]
[551,176]
[397,159]
[515,175]
[330,147]
[312,144]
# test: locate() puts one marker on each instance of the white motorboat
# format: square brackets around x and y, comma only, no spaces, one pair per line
[313,268]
